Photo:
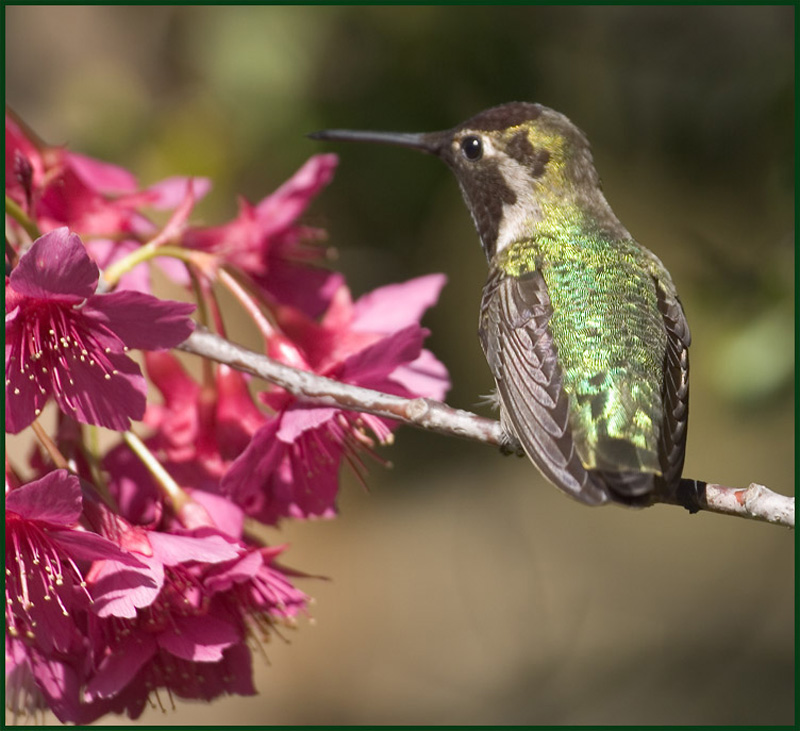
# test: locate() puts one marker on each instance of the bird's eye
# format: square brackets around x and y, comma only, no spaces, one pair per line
[472,147]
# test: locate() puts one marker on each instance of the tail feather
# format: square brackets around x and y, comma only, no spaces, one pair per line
[627,487]
[638,489]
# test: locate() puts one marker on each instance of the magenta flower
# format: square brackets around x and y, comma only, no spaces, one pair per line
[266,241]
[394,311]
[44,584]
[252,589]
[152,586]
[153,622]
[178,620]
[290,467]
[36,681]
[197,433]
[35,171]
[255,588]
[194,425]
[133,669]
[120,590]
[61,188]
[295,476]
[95,199]
[65,341]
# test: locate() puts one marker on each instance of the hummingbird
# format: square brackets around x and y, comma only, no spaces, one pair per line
[581,325]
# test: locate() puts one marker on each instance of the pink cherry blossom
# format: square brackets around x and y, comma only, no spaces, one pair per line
[207,588]
[120,590]
[136,579]
[254,585]
[266,241]
[63,188]
[290,467]
[37,681]
[44,547]
[251,588]
[96,199]
[194,424]
[66,342]
[134,669]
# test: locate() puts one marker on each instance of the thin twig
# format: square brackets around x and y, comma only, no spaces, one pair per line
[320,391]
[755,502]
[50,446]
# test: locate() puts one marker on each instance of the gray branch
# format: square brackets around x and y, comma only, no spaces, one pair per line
[755,502]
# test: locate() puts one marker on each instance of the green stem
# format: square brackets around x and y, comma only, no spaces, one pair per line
[50,446]
[112,274]
[13,209]
[172,489]
[204,318]
[250,304]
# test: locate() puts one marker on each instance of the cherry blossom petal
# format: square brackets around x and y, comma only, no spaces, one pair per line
[243,569]
[426,376]
[102,176]
[119,590]
[292,198]
[142,321]
[56,267]
[54,499]
[60,685]
[200,639]
[118,668]
[307,288]
[297,420]
[396,306]
[227,516]
[24,397]
[90,546]
[378,360]
[112,402]
[174,549]
[171,192]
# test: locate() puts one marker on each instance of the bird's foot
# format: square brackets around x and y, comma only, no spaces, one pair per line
[511,445]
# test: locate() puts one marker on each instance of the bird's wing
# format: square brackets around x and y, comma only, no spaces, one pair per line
[675,394]
[522,356]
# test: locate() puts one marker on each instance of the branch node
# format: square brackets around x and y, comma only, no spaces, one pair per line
[417,408]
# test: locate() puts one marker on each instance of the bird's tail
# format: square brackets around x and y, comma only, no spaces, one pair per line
[639,489]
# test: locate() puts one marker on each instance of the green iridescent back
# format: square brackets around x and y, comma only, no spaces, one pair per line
[610,339]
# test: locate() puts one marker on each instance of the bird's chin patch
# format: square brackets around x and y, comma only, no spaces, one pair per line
[519,217]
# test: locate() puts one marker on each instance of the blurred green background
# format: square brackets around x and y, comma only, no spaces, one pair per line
[464,588]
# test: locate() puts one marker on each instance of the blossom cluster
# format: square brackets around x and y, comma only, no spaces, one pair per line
[134,569]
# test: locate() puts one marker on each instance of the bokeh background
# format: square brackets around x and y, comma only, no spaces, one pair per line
[464,589]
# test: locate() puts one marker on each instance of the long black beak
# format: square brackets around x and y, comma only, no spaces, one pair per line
[425,142]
